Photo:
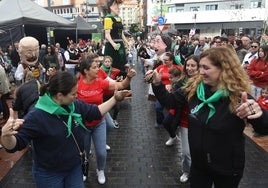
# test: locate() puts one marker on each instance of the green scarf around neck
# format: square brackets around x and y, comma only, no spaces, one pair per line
[107,70]
[46,104]
[214,98]
[112,15]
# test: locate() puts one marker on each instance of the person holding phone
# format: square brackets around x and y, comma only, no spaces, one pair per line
[252,54]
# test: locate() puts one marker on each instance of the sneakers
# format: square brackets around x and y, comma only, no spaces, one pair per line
[84,178]
[184,178]
[171,141]
[108,147]
[101,176]
[116,124]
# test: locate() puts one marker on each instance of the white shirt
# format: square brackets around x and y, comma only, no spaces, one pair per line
[248,57]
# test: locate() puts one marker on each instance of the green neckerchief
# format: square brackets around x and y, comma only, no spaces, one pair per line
[107,70]
[46,104]
[184,81]
[112,15]
[214,98]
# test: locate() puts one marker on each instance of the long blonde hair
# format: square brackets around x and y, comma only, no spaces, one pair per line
[233,78]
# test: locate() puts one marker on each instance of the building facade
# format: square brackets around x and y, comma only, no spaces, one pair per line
[88,9]
[71,8]
[211,17]
[129,12]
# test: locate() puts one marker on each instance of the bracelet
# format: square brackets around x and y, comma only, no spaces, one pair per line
[129,77]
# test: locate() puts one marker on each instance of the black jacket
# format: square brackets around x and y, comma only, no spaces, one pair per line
[26,97]
[218,145]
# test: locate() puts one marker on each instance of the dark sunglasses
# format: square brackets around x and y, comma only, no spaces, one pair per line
[254,46]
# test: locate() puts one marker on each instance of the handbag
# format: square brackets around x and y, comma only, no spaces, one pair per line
[83,155]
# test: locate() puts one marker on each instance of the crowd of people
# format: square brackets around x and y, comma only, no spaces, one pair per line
[230,69]
[205,90]
[65,87]
[163,59]
[55,96]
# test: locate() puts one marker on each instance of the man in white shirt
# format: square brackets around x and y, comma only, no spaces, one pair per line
[252,54]
[72,58]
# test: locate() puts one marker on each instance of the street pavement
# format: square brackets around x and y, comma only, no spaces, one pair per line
[138,157]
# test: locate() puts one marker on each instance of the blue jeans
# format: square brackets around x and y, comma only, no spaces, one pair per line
[49,179]
[185,150]
[255,91]
[143,69]
[109,122]
[71,70]
[98,135]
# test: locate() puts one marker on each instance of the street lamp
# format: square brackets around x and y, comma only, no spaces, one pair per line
[161,7]
[50,32]
[194,17]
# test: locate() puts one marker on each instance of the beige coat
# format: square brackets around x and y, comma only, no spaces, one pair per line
[4,83]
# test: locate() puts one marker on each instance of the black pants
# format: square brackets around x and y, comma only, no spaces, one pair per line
[171,124]
[205,179]
[115,109]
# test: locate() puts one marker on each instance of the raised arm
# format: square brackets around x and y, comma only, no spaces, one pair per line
[118,96]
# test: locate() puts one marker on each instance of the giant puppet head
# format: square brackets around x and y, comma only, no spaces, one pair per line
[162,44]
[29,50]
[107,6]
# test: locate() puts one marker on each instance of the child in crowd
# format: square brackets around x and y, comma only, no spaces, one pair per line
[174,77]
[263,99]
[263,102]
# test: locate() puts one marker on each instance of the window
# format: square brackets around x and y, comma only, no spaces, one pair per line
[211,7]
[179,10]
[239,6]
[255,4]
[171,9]
[194,8]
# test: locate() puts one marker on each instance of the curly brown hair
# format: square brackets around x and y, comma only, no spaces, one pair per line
[232,78]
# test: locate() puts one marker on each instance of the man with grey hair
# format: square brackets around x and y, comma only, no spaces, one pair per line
[246,42]
[202,46]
